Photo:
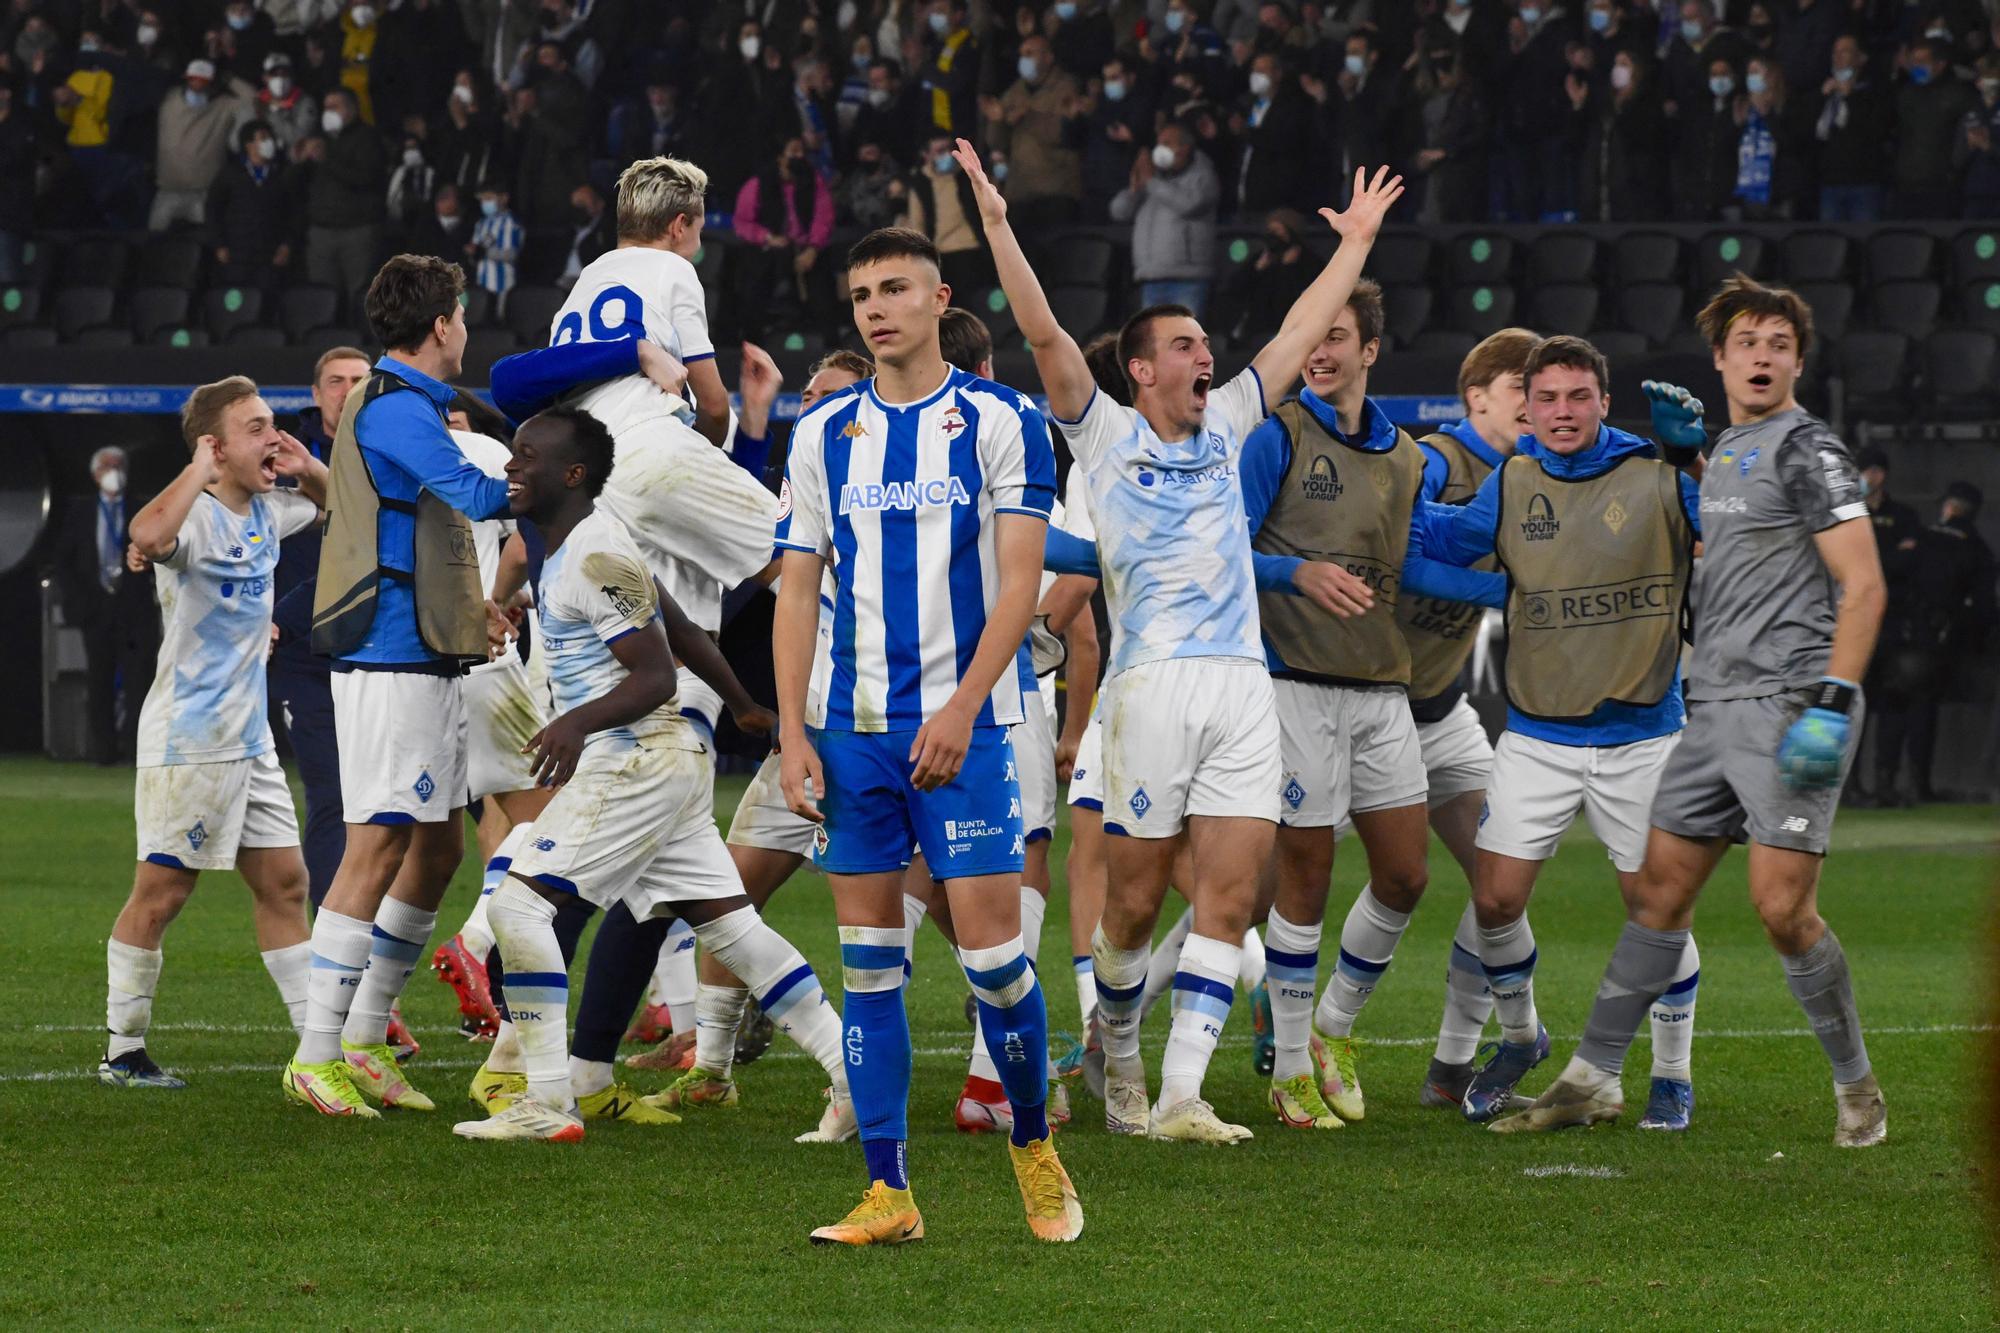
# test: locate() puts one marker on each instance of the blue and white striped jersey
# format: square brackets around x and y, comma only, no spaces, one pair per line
[1171,535]
[900,500]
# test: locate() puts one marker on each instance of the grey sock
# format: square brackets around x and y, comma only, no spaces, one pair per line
[1819,981]
[1640,970]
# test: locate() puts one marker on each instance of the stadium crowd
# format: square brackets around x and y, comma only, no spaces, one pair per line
[305,139]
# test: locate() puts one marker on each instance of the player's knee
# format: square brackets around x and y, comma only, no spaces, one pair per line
[158,899]
[284,891]
[1494,906]
[1401,890]
[1792,927]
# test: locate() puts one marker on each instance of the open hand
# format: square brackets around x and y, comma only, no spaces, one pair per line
[992,208]
[802,780]
[1370,204]
[556,749]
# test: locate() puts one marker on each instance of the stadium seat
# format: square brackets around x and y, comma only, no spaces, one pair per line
[1979,305]
[1832,306]
[1900,256]
[255,335]
[1976,254]
[1406,309]
[478,304]
[1618,345]
[81,307]
[1958,373]
[1721,253]
[544,252]
[485,346]
[1565,307]
[1080,261]
[1646,256]
[155,308]
[1400,258]
[1871,371]
[1908,307]
[1080,310]
[530,311]
[318,339]
[179,336]
[1445,344]
[95,263]
[1652,309]
[998,316]
[1813,256]
[104,335]
[227,309]
[1480,259]
[307,307]
[28,335]
[38,261]
[1479,310]
[19,305]
[169,261]
[1562,257]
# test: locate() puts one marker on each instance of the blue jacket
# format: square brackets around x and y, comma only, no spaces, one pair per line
[1462,534]
[408,450]
[1435,470]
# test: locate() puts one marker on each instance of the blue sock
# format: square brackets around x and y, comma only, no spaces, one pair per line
[621,965]
[877,1039]
[1015,1021]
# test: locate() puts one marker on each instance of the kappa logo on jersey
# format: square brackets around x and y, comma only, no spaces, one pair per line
[623,600]
[865,496]
[425,787]
[951,423]
[1140,803]
[853,430]
[197,835]
[1541,524]
[1322,480]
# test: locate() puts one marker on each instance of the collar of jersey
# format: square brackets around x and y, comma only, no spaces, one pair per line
[1475,443]
[1611,447]
[1378,435]
[435,390]
[951,374]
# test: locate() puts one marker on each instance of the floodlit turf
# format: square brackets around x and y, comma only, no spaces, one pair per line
[222,1205]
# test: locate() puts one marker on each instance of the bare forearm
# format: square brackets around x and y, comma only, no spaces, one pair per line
[1080,678]
[312,483]
[1306,323]
[1855,628]
[699,654]
[640,693]
[156,528]
[794,624]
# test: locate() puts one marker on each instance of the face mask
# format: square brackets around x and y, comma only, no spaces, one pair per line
[462,94]
[1721,85]
[1163,157]
[1458,19]
[331,121]
[1260,84]
[1114,91]
[279,85]
[940,22]
[148,34]
[112,482]
[1065,10]
[364,15]
[1530,15]
[999,172]
[1844,74]
[413,157]
[1938,34]
[87,47]
[1621,77]
[1026,65]
[878,98]
[862,60]
[195,97]
[447,220]
[1357,65]
[1600,20]
[846,16]
[750,47]
[238,22]
[262,149]
[1754,83]
[1920,75]
[1690,31]
[489,208]
[1989,87]
[943,163]
[1176,20]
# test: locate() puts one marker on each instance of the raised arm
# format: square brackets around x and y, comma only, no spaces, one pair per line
[156,529]
[1320,304]
[1059,361]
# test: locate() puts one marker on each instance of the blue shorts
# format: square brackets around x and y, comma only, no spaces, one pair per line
[970,826]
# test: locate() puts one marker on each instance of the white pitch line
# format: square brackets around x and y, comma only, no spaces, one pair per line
[1572,1169]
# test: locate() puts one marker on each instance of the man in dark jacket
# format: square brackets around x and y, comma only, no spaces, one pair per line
[346,198]
[1275,126]
[110,604]
[251,211]
[17,163]
[1854,138]
[1931,106]
[1119,121]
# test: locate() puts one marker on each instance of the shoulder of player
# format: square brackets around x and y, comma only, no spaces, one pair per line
[813,420]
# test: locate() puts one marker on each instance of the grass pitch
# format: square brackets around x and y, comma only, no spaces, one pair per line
[223,1206]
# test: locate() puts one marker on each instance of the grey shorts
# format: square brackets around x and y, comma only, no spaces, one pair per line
[1723,780]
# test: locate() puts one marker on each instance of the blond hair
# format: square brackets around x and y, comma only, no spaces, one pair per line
[1501,353]
[653,191]
[202,414]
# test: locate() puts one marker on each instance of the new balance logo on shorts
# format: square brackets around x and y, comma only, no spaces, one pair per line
[545,844]
[1796,824]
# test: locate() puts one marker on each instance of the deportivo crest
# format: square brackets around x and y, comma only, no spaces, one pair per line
[1541,524]
[951,423]
[1614,516]
[1322,480]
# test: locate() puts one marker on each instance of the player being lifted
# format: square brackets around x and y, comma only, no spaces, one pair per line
[929,491]
[1190,734]
[1790,595]
[210,793]
[1596,535]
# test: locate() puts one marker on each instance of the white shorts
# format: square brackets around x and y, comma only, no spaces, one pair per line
[198,816]
[763,819]
[1035,765]
[402,739]
[700,705]
[1345,749]
[502,714]
[1086,775]
[1537,787]
[1189,736]
[1457,756]
[634,825]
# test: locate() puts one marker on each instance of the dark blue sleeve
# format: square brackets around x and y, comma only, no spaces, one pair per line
[293,615]
[1436,473]
[1458,534]
[1434,578]
[752,453]
[1261,465]
[1066,554]
[527,382]
[1691,502]
[406,435]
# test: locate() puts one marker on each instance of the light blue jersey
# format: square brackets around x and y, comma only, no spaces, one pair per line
[1171,534]
[595,590]
[207,704]
[900,499]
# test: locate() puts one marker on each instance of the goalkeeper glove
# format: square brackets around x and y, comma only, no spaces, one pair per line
[1677,420]
[1815,745]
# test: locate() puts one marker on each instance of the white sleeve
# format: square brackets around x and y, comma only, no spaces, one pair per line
[802,507]
[294,512]
[687,311]
[1007,434]
[1239,408]
[621,597]
[1076,519]
[196,537]
[1100,426]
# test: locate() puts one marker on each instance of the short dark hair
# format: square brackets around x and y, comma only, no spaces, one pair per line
[1570,352]
[1871,457]
[408,295]
[481,418]
[964,339]
[589,440]
[1965,493]
[892,243]
[1101,355]
[248,130]
[1741,296]
[1366,303]
[1135,337]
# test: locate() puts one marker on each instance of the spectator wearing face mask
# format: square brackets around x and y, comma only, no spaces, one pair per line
[346,198]
[1853,136]
[784,217]
[1625,160]
[951,67]
[198,128]
[465,145]
[1357,111]
[1117,120]
[1274,127]
[246,38]
[1029,123]
[444,230]
[411,185]
[287,108]
[872,194]
[153,47]
[592,231]
[1932,105]
[1704,168]
[1446,118]
[1187,49]
[358,33]
[1538,119]
[1693,44]
[1252,298]
[86,101]
[252,212]
[1081,40]
[1978,153]
[1171,200]
[495,247]
[110,604]
[1773,146]
[737,98]
[893,113]
[941,206]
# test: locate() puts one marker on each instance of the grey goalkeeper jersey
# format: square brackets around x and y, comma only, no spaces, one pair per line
[1763,599]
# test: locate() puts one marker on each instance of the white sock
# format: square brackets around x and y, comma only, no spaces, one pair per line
[1293,971]
[1164,962]
[718,1012]
[536,987]
[506,1057]
[1121,981]
[1367,944]
[290,970]
[397,941]
[1507,954]
[1034,911]
[981,1064]
[1673,1019]
[675,983]
[588,1076]
[1204,987]
[1086,988]
[1468,1001]
[1251,971]
[914,912]
[783,982]
[339,953]
[133,975]
[476,935]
